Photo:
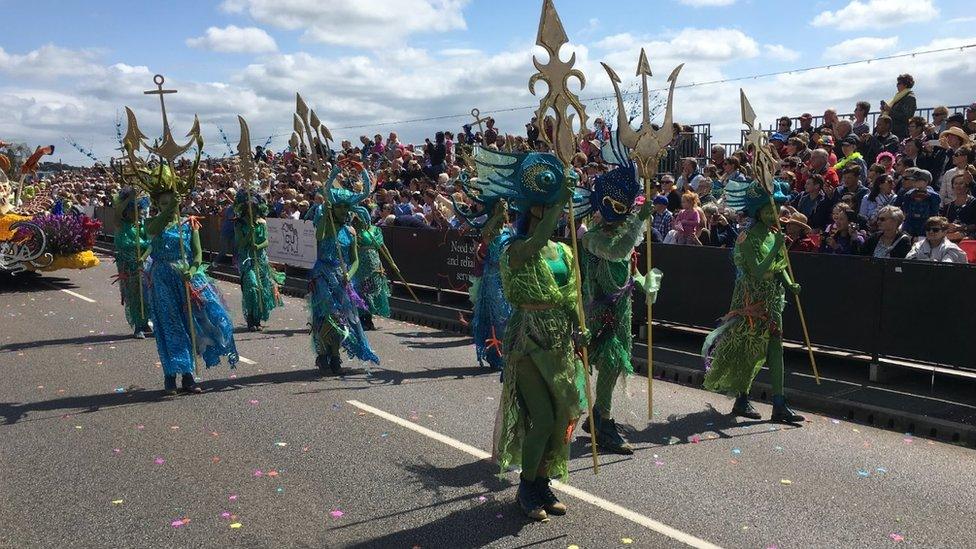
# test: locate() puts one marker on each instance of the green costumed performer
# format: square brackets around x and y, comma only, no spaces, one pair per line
[260,281]
[370,279]
[609,276]
[751,334]
[131,244]
[542,394]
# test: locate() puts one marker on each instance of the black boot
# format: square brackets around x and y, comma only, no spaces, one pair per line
[366,321]
[549,502]
[323,363]
[190,385]
[169,385]
[529,500]
[782,413]
[335,365]
[607,435]
[743,408]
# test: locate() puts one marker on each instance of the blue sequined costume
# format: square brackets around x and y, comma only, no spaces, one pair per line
[214,330]
[334,303]
[491,309]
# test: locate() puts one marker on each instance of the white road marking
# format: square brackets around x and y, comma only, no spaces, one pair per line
[246,360]
[582,495]
[73,294]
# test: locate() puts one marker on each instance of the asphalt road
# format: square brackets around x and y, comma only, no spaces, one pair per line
[272,455]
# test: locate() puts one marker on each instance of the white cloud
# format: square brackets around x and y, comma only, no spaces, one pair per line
[877,13]
[365,89]
[707,3]
[864,47]
[781,52]
[718,44]
[234,39]
[363,23]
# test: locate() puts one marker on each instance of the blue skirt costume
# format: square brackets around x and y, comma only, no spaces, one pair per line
[491,309]
[214,330]
[331,302]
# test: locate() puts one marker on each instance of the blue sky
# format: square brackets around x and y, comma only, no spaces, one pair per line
[368,61]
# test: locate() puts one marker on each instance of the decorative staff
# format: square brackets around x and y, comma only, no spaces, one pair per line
[646,147]
[565,106]
[167,150]
[246,163]
[308,126]
[763,171]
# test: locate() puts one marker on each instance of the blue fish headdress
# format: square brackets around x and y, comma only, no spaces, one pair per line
[125,202]
[613,193]
[746,195]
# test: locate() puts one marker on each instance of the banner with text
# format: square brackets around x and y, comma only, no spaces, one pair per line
[292,242]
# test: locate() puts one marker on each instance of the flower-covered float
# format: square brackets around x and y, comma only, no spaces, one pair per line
[35,233]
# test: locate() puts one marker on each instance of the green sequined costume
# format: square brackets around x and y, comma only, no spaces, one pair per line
[370,279]
[538,345]
[755,316]
[252,262]
[130,277]
[607,285]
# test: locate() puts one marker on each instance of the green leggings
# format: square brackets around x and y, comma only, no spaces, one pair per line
[605,383]
[774,361]
[546,425]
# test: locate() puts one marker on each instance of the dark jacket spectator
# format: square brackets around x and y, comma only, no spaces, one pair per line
[902,107]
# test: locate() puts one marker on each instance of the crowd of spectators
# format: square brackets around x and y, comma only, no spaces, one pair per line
[903,188]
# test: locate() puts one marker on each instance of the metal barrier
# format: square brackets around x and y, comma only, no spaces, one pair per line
[872,117]
[912,310]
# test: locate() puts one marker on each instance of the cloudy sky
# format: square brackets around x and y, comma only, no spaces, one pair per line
[365,63]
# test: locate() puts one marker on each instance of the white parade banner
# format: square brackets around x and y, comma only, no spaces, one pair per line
[291,242]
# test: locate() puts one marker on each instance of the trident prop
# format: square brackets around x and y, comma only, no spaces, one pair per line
[564,106]
[246,162]
[646,146]
[763,170]
[169,150]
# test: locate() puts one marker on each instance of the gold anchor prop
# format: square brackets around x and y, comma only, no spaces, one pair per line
[763,170]
[565,107]
[646,146]
[478,119]
[169,151]
[246,163]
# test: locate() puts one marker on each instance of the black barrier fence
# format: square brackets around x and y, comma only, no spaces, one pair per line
[881,308]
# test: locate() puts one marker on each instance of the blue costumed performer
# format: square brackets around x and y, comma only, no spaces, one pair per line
[333,302]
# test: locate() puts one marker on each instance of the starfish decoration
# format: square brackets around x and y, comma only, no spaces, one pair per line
[494,343]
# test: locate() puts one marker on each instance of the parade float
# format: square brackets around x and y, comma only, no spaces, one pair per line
[35,232]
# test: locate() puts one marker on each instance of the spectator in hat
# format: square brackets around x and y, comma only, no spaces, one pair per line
[806,125]
[851,157]
[662,216]
[919,201]
[798,237]
[814,203]
[935,246]
[890,241]
[902,106]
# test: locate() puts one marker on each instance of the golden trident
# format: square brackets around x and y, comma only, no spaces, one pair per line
[169,150]
[246,163]
[646,146]
[564,106]
[763,166]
